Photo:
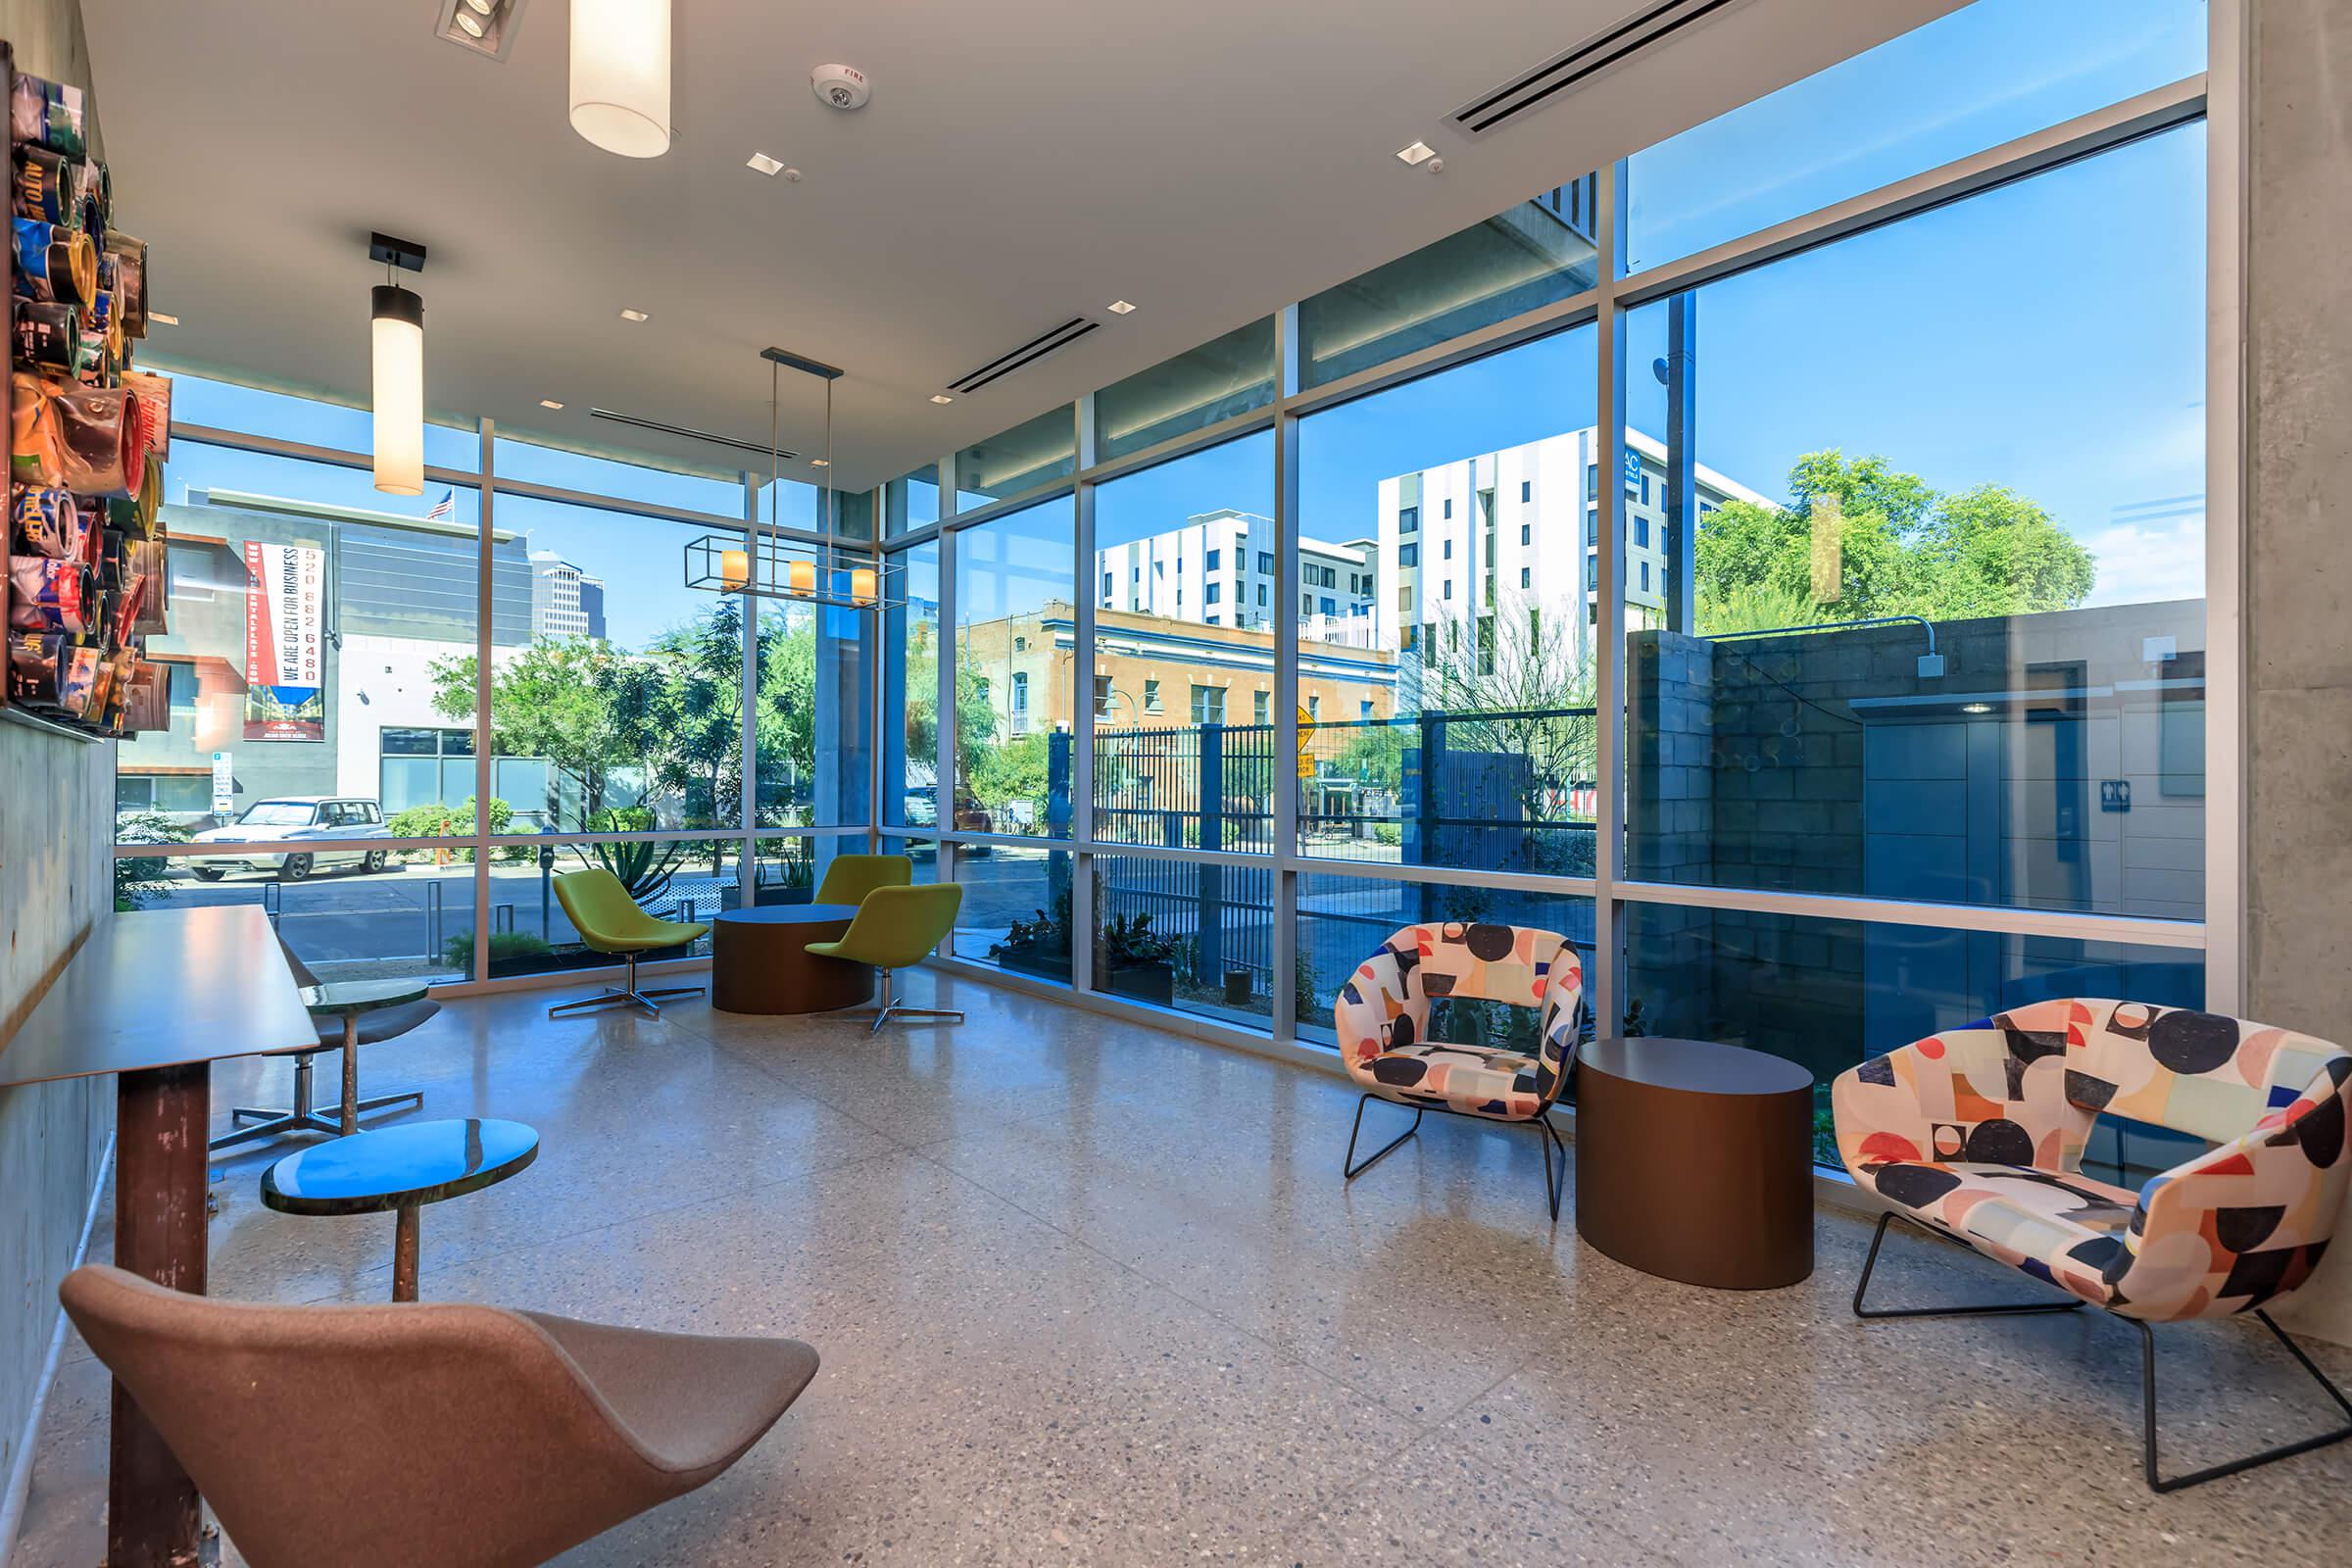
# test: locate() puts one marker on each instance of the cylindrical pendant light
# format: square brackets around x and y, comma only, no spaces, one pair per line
[621,75]
[399,391]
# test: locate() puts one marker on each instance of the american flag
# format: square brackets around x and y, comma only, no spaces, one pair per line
[444,510]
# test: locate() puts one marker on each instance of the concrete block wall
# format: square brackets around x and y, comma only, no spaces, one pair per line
[56,883]
[57,813]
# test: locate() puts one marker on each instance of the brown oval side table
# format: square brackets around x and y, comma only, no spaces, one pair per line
[1695,1162]
[760,960]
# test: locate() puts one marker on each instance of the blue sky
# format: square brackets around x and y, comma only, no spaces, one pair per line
[2047,336]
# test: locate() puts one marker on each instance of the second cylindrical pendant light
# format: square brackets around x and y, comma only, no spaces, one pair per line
[399,345]
[621,75]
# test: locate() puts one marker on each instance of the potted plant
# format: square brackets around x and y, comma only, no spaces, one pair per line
[1131,960]
[795,881]
[1039,947]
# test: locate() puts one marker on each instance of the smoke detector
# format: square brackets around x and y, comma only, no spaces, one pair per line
[841,86]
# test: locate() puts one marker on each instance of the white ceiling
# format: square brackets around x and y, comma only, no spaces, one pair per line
[1021,164]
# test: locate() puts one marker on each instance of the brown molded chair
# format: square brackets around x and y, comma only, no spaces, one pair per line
[384,1437]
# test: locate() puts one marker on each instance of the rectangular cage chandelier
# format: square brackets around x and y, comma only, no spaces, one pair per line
[761,566]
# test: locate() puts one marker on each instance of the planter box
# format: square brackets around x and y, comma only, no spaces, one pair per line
[1145,982]
[771,897]
[567,959]
[1047,963]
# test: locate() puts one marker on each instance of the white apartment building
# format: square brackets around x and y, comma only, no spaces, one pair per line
[1219,568]
[1522,527]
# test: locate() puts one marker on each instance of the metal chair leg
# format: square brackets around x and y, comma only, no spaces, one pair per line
[1553,1186]
[303,1118]
[2287,1450]
[1351,1170]
[625,994]
[1993,1309]
[891,1008]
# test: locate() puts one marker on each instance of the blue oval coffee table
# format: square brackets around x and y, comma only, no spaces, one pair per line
[401,1169]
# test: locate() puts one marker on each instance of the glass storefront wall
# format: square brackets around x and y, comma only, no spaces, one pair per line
[1876,563]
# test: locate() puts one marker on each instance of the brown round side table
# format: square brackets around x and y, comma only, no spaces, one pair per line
[1695,1162]
[760,960]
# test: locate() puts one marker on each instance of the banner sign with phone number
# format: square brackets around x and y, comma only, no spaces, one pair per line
[285,660]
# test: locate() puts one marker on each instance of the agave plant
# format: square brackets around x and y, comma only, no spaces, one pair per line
[642,866]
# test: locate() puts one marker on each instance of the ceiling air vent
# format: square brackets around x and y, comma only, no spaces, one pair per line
[687,431]
[1028,354]
[1644,29]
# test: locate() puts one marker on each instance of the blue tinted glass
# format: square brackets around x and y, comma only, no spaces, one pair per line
[1972,80]
[626,481]
[250,410]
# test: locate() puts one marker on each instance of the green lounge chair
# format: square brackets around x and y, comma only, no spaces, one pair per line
[608,921]
[851,877]
[896,927]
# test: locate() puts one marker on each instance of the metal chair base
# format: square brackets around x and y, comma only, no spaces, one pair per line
[625,994]
[891,1007]
[1991,1309]
[2285,1451]
[1555,1182]
[303,1116]
[2157,1481]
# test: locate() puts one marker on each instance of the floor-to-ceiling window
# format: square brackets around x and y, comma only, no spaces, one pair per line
[1189,601]
[1776,561]
[394,728]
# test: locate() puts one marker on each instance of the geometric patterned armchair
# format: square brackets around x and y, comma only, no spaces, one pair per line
[1977,1135]
[1382,1019]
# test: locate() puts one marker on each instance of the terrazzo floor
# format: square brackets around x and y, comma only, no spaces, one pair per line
[1091,1293]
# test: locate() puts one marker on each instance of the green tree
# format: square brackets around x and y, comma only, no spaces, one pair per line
[552,699]
[1905,549]
[1017,770]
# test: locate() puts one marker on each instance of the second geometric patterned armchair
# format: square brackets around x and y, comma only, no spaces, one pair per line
[1977,1135]
[1382,1019]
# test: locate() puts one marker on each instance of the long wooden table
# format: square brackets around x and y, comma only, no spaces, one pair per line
[155,998]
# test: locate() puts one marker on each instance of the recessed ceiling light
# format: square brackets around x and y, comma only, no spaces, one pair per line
[633,316]
[1417,154]
[941,396]
[1976,708]
[483,7]
[770,167]
[820,463]
[168,321]
[548,403]
[1121,307]
[471,24]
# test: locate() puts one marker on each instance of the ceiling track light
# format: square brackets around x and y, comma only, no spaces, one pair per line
[481,27]
[621,75]
[397,332]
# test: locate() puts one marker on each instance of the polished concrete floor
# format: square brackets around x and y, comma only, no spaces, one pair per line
[1091,1293]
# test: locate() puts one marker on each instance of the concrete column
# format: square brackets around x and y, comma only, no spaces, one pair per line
[2299,548]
